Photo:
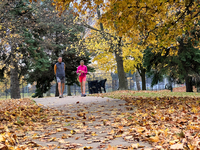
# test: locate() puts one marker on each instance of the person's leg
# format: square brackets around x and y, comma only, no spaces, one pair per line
[83,83]
[84,80]
[80,80]
[81,87]
[59,86]
[63,88]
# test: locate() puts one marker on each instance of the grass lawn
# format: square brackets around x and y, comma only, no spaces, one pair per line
[163,93]
[26,95]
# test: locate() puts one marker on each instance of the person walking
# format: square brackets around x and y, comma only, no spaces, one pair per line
[59,70]
[82,71]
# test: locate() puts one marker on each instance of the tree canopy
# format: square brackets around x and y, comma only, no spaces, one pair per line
[154,22]
[182,66]
[32,37]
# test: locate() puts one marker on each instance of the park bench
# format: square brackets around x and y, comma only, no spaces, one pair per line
[95,86]
[102,84]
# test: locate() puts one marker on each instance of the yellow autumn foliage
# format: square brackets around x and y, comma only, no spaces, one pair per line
[103,49]
[154,22]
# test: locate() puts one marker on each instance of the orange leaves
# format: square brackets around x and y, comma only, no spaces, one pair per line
[170,118]
[177,146]
[154,139]
[3,147]
[32,1]
[98,2]
[2,138]
[134,146]
[61,5]
[165,122]
[111,148]
[19,116]
[8,139]
[150,121]
[166,132]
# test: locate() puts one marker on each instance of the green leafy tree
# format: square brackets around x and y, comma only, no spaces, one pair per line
[60,37]
[16,17]
[181,66]
[32,36]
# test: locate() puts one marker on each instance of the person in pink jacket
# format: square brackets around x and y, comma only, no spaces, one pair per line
[82,71]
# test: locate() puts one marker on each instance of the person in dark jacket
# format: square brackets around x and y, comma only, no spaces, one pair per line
[59,70]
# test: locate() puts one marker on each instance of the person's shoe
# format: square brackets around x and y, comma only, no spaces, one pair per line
[60,96]
[82,95]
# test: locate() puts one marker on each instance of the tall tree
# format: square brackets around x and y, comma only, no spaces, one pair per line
[61,38]
[104,50]
[116,49]
[15,17]
[34,36]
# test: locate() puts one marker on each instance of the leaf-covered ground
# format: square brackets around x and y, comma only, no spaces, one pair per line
[166,122]
[19,119]
[162,93]
[133,122]
[24,125]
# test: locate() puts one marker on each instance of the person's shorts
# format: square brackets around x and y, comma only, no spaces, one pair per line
[60,80]
[81,79]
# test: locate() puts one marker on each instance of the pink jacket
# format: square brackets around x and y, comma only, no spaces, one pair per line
[83,68]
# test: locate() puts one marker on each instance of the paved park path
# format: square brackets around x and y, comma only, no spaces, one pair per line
[56,101]
[101,114]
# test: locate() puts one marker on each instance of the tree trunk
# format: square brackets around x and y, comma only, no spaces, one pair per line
[69,90]
[142,71]
[23,88]
[123,84]
[14,86]
[99,16]
[143,79]
[197,81]
[113,85]
[57,92]
[137,78]
[6,89]
[188,82]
